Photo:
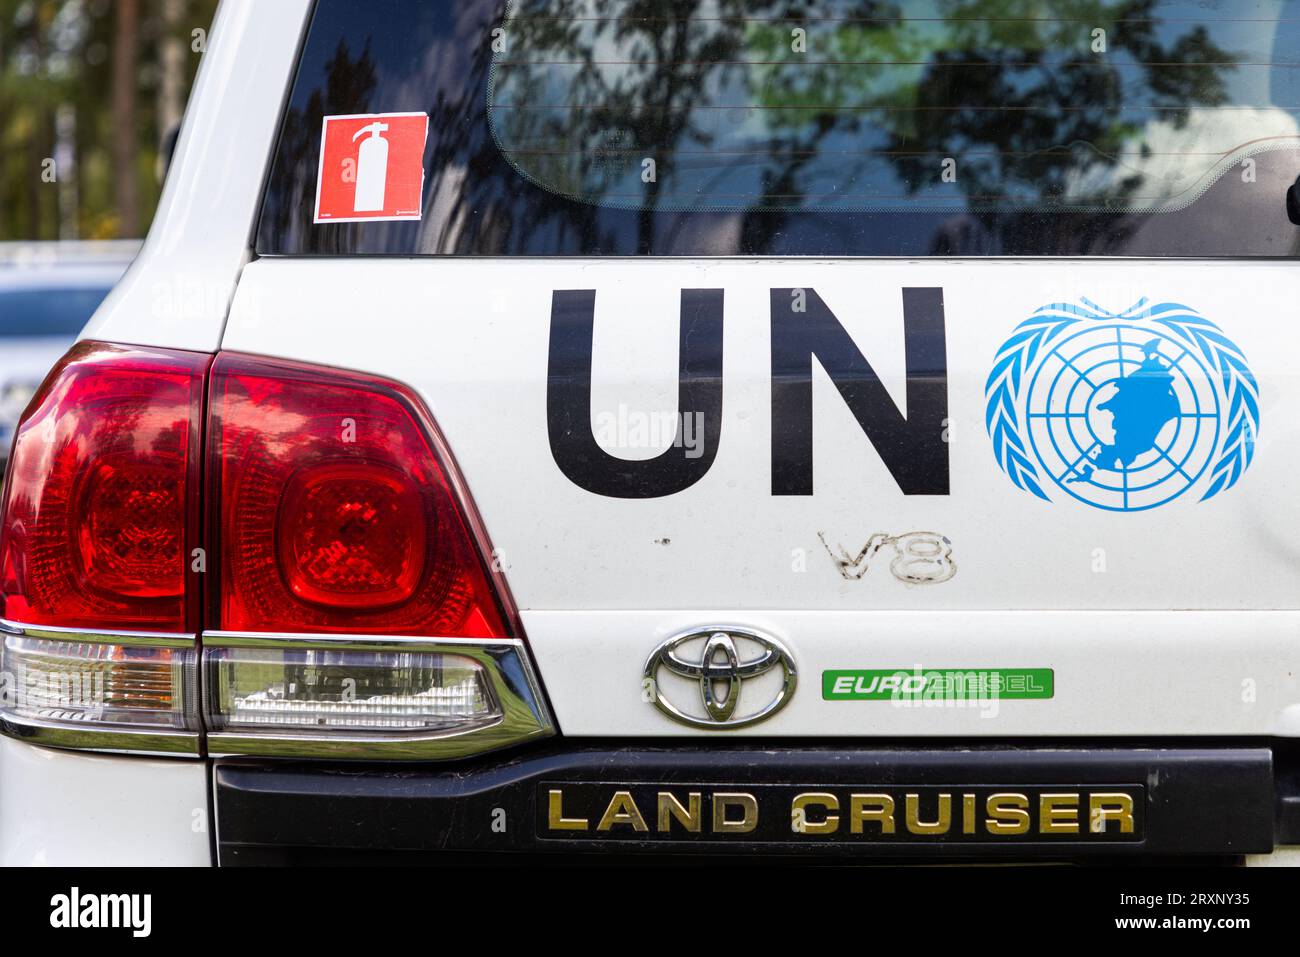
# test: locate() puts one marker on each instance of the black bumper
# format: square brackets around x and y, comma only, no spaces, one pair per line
[946,802]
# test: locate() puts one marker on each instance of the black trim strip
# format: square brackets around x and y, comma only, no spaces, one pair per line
[1195,800]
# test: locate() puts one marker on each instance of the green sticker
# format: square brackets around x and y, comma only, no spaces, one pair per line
[937,684]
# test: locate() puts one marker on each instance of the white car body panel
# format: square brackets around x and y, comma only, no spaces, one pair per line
[66,808]
[1117,673]
[471,336]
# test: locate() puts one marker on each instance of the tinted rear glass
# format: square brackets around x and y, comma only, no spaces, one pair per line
[742,127]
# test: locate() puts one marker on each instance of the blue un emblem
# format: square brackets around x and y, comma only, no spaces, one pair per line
[1124,411]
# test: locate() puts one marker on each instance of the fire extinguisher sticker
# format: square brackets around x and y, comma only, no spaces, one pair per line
[371,167]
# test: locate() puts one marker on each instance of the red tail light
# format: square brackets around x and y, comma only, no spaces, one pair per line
[336,510]
[333,506]
[101,503]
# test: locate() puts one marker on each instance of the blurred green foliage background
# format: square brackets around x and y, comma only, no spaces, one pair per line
[89,92]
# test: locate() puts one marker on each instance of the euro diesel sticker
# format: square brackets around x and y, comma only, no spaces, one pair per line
[371,167]
[937,684]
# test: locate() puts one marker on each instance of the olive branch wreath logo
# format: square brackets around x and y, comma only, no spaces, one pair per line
[1185,325]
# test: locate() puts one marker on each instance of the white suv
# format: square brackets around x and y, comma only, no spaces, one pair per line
[553,427]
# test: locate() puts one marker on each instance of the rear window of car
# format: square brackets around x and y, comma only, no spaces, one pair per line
[58,312]
[850,128]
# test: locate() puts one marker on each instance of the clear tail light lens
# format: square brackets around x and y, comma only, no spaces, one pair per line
[353,692]
[108,686]
[336,510]
[101,504]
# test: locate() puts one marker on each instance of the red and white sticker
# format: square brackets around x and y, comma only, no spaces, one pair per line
[371,167]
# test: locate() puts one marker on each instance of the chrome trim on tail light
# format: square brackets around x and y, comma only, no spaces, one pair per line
[519,710]
[51,731]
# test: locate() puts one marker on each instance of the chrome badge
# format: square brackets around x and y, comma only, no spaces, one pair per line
[732,677]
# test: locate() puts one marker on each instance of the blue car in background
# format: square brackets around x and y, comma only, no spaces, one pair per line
[48,291]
